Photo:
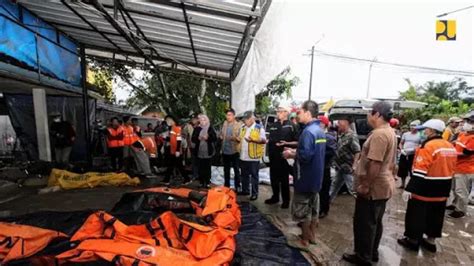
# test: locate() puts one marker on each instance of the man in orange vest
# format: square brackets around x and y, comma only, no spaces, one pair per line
[464,176]
[130,137]
[115,144]
[428,189]
[173,150]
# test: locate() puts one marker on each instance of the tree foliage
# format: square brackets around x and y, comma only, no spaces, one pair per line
[444,99]
[269,98]
[100,78]
[183,95]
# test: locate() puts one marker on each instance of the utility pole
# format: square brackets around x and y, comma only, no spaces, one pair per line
[312,63]
[368,80]
[311,73]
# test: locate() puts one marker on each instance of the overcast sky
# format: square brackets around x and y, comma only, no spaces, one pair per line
[393,31]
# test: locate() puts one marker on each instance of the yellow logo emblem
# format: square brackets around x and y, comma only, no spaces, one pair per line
[446,30]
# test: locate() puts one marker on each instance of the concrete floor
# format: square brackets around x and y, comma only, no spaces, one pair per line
[335,232]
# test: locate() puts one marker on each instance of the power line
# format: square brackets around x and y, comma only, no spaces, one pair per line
[412,67]
[392,68]
[454,11]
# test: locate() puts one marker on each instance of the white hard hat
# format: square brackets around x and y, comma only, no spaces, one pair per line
[285,108]
[415,123]
[435,124]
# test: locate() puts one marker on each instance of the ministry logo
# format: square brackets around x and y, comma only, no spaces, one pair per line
[446,30]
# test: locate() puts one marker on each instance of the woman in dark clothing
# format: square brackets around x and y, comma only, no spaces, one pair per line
[204,138]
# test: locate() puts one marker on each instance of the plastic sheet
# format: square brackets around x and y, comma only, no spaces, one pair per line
[22,117]
[217,176]
[269,54]
[199,235]
[259,242]
[31,43]
[256,236]
[69,70]
[17,45]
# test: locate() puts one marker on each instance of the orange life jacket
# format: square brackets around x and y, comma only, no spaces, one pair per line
[22,241]
[115,138]
[175,137]
[433,169]
[150,146]
[130,135]
[465,164]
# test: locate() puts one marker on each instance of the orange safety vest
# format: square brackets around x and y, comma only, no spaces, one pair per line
[465,164]
[433,170]
[130,135]
[22,241]
[150,146]
[115,137]
[175,136]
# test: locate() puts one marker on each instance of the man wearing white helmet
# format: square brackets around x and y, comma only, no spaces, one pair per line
[428,189]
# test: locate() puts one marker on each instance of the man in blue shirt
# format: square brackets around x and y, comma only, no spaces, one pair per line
[307,184]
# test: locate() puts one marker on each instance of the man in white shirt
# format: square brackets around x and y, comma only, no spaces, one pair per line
[252,140]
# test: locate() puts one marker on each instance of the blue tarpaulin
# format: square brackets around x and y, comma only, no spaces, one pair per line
[28,42]
[69,68]
[18,43]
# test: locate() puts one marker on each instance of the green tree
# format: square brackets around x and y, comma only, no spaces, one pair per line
[269,98]
[183,95]
[444,99]
[99,78]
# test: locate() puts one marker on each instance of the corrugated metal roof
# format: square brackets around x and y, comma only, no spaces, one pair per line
[211,36]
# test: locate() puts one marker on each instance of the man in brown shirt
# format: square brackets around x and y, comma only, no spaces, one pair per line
[374,183]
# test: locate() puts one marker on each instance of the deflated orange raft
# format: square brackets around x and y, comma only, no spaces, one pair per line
[165,240]
[22,241]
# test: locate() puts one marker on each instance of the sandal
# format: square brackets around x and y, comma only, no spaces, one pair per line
[312,242]
[298,244]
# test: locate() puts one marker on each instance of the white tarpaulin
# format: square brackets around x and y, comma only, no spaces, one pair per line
[217,176]
[269,54]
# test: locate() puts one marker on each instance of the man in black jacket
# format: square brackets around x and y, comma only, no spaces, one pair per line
[281,133]
[63,136]
[331,147]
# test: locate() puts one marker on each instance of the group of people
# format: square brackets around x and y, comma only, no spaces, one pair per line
[126,146]
[438,158]
[458,133]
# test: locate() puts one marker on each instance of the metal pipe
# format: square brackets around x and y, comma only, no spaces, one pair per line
[127,37]
[85,101]
[189,32]
[311,73]
[368,80]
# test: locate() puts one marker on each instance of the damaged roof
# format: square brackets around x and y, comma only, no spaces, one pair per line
[209,37]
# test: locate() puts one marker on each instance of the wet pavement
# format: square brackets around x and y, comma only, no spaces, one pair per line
[334,235]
